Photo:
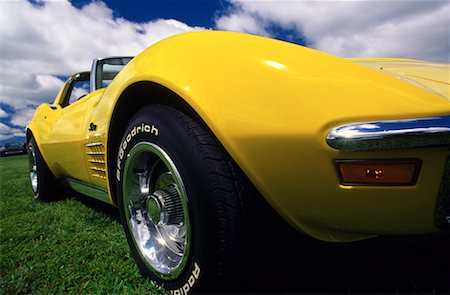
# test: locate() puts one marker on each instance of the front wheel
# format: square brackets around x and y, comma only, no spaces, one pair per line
[179,200]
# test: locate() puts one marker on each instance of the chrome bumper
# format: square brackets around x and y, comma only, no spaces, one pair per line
[391,134]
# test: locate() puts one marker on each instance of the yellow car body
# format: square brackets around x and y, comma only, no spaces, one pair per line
[270,104]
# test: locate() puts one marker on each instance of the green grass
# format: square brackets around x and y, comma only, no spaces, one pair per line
[66,246]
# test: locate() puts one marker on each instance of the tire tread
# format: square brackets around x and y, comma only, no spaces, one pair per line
[229,183]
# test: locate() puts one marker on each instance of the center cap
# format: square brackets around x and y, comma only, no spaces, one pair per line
[164,207]
[155,209]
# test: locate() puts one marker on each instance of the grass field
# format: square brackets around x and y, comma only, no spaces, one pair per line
[67,246]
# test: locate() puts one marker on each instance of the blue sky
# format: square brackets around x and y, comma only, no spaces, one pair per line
[194,13]
[42,42]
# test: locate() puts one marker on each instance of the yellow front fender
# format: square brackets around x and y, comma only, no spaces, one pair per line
[271,104]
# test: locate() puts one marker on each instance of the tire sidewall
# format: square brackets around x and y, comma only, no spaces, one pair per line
[167,133]
[40,170]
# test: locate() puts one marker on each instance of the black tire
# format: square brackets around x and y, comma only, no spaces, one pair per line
[213,197]
[43,184]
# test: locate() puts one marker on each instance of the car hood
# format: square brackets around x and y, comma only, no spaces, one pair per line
[433,77]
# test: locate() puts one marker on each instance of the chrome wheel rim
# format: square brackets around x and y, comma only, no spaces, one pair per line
[32,168]
[155,209]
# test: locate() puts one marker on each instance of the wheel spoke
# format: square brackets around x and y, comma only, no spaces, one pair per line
[143,182]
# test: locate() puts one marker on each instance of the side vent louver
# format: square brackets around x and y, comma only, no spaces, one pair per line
[96,158]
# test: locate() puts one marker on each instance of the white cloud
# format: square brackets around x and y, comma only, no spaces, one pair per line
[241,22]
[39,43]
[58,38]
[3,114]
[410,28]
[8,132]
[21,89]
[22,117]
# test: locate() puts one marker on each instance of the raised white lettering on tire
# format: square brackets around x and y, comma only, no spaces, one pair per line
[152,129]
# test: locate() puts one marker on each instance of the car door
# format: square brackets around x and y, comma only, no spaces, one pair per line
[67,134]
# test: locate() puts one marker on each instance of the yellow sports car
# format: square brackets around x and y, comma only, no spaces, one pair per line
[185,136]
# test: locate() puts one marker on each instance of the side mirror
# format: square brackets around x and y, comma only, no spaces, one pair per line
[105,69]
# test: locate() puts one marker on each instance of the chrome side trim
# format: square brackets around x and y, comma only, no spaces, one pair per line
[87,189]
[391,134]
[93,80]
[94,144]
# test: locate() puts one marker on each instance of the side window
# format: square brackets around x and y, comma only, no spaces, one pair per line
[78,87]
[79,90]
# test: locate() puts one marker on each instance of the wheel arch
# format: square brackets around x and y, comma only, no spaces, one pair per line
[28,135]
[129,102]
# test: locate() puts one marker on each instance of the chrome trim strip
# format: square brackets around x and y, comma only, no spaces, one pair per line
[93,79]
[97,161]
[87,189]
[391,134]
[93,144]
[97,169]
